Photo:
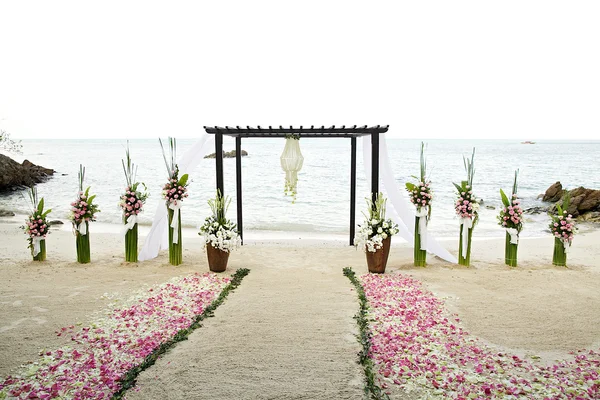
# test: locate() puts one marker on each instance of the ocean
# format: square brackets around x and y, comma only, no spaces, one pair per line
[323,201]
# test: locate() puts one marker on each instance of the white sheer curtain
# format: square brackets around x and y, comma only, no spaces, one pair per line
[158,238]
[402,212]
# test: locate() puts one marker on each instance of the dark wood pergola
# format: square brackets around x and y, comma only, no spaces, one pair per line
[304,132]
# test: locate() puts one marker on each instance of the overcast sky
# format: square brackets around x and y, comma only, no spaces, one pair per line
[429,69]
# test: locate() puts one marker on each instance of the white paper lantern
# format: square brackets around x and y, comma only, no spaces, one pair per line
[291,162]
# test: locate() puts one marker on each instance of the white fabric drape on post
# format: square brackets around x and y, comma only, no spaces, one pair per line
[158,238]
[402,212]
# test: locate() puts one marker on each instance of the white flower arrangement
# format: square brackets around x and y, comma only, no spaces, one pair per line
[218,231]
[376,228]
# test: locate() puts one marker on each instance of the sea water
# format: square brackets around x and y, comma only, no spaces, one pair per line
[323,202]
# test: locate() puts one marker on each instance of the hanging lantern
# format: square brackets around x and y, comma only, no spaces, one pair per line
[291,162]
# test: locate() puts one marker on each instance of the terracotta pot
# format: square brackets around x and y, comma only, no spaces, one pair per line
[378,260]
[217,259]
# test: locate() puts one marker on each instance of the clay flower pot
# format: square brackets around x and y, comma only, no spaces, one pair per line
[378,260]
[217,259]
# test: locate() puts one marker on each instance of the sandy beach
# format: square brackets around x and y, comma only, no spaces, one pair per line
[288,331]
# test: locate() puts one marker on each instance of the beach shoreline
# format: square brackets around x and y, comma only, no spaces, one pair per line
[534,310]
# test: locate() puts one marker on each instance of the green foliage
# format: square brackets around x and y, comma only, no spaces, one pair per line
[377,208]
[170,162]
[505,200]
[371,390]
[183,180]
[410,186]
[129,168]
[470,168]
[219,206]
[128,381]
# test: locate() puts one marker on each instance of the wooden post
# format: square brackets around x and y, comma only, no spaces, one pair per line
[238,179]
[219,160]
[374,165]
[352,189]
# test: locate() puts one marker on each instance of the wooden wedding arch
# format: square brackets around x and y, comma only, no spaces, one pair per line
[342,132]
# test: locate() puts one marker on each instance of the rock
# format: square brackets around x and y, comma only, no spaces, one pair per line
[490,207]
[582,201]
[535,210]
[227,154]
[554,193]
[55,222]
[14,175]
[6,213]
[592,216]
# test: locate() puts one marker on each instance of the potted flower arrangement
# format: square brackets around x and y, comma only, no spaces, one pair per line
[132,203]
[220,234]
[467,210]
[37,227]
[174,191]
[563,228]
[375,234]
[511,219]
[421,196]
[83,211]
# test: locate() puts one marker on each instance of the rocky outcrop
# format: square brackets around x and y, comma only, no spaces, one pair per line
[554,193]
[13,174]
[227,154]
[6,213]
[584,203]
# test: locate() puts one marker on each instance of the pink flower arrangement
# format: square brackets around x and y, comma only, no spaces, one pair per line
[36,226]
[466,205]
[83,208]
[563,227]
[416,345]
[105,351]
[132,201]
[175,190]
[420,194]
[511,216]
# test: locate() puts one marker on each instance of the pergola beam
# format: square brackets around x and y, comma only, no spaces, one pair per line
[332,131]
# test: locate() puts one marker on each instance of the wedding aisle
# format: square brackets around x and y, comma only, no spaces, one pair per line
[287,332]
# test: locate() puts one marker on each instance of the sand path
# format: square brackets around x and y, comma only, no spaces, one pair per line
[279,336]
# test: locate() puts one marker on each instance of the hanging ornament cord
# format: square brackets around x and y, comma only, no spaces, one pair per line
[291,163]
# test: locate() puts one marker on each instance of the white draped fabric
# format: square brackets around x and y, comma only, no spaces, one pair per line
[158,238]
[402,212]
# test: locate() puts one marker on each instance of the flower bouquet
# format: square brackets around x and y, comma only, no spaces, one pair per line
[375,234]
[83,210]
[511,218]
[467,209]
[563,228]
[421,196]
[220,234]
[37,227]
[174,191]
[132,203]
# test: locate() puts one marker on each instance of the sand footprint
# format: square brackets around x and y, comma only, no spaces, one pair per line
[40,309]
[17,303]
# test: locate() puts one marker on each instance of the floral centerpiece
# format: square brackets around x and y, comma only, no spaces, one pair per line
[467,210]
[83,211]
[375,234]
[37,227]
[174,191]
[563,228]
[511,219]
[132,204]
[220,234]
[420,195]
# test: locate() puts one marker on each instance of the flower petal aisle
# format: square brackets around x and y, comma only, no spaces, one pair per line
[106,356]
[417,345]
